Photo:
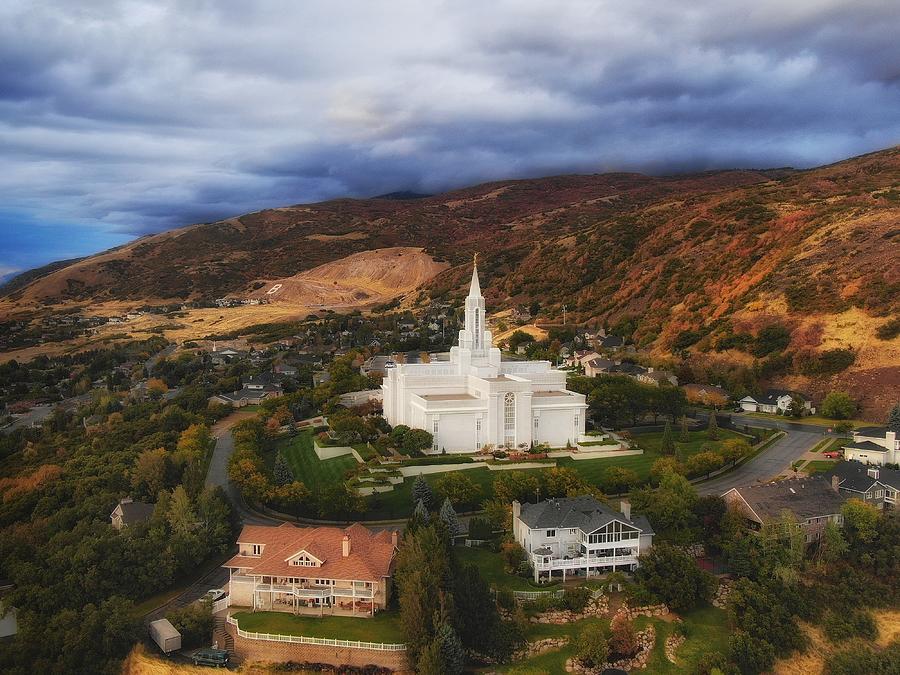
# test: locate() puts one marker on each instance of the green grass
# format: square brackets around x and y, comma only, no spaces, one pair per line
[819,465]
[697,439]
[365,451]
[383,627]
[490,565]
[707,630]
[308,468]
[398,502]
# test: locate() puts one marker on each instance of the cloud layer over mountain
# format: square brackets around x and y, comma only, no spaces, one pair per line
[123,118]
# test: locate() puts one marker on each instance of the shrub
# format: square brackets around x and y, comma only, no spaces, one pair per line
[591,645]
[576,599]
[838,405]
[194,622]
[889,330]
[843,625]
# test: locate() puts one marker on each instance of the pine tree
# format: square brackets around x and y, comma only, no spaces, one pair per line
[281,471]
[452,654]
[713,428]
[667,445]
[684,437]
[421,492]
[449,518]
[420,513]
[894,419]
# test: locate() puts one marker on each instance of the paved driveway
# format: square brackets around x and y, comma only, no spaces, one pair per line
[769,463]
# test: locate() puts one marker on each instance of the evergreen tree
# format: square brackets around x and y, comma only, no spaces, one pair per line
[452,655]
[281,471]
[713,429]
[893,422]
[421,513]
[684,436]
[667,445]
[421,492]
[449,518]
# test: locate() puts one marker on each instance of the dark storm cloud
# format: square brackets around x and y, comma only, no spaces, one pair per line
[122,118]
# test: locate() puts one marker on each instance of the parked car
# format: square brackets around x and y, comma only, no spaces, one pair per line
[214,594]
[210,657]
[834,454]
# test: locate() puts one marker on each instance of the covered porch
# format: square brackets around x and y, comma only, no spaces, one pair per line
[314,600]
[544,562]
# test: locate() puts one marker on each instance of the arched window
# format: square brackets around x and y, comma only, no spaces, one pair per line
[509,420]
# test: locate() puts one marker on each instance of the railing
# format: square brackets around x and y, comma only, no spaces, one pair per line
[363,593]
[326,642]
[583,561]
[219,605]
[536,595]
[299,591]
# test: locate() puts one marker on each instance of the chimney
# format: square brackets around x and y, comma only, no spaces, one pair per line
[516,509]
[836,483]
[650,369]
[126,500]
[625,508]
[891,438]
[345,546]
[395,538]
[873,472]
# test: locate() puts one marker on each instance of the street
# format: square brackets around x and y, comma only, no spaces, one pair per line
[766,465]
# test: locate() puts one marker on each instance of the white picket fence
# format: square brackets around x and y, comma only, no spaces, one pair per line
[219,605]
[326,642]
[528,596]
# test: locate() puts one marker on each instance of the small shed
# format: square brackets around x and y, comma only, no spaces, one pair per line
[165,635]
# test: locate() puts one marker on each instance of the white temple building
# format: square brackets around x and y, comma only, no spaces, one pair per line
[477,399]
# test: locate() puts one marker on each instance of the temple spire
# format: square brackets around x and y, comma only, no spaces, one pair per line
[475,287]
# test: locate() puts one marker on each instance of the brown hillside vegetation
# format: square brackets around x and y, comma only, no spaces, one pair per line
[715,254]
[368,277]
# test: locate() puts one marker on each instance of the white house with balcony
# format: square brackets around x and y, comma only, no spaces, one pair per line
[312,570]
[580,536]
[477,399]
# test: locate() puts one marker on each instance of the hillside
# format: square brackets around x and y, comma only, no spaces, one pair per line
[681,261]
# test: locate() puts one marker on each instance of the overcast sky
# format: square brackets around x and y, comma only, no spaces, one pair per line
[123,118]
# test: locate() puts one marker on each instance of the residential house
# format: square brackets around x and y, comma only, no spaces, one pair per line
[611,343]
[128,512]
[706,394]
[873,484]
[286,370]
[580,357]
[9,622]
[318,570]
[775,402]
[321,377]
[874,445]
[580,536]
[221,357]
[598,366]
[813,501]
[254,391]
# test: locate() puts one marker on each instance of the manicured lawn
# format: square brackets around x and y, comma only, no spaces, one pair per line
[398,502]
[383,627]
[592,470]
[818,465]
[365,451]
[308,468]
[698,439]
[490,565]
[707,632]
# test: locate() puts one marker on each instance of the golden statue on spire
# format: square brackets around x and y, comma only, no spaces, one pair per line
[475,259]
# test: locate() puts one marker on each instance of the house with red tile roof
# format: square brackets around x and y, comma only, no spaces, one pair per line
[312,570]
